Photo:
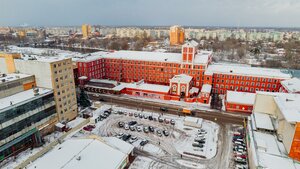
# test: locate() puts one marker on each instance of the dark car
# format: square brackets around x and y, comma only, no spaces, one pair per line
[131,123]
[164,109]
[151,129]
[166,133]
[121,124]
[103,116]
[140,115]
[126,137]
[201,141]
[144,142]
[150,118]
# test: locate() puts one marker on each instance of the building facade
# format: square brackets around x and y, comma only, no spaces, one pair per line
[176,35]
[25,117]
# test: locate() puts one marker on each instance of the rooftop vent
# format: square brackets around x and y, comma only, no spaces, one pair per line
[288,100]
[230,71]
[36,92]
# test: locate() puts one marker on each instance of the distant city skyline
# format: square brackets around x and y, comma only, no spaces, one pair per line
[223,13]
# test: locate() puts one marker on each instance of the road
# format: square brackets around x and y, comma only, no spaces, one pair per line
[218,117]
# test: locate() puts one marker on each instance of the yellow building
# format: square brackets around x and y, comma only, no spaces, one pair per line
[7,62]
[86,31]
[176,35]
[22,33]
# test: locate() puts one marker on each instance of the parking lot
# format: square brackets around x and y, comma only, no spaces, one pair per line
[160,138]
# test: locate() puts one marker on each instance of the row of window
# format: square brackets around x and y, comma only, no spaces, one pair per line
[248,78]
[268,85]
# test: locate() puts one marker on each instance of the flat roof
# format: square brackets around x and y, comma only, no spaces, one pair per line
[20,97]
[80,153]
[245,70]
[291,85]
[181,78]
[119,144]
[263,121]
[268,152]
[149,87]
[206,88]
[240,97]
[289,106]
[12,77]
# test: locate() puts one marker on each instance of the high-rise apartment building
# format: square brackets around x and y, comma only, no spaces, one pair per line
[176,35]
[86,30]
[57,74]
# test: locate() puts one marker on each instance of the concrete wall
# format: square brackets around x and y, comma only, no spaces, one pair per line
[41,70]
[3,67]
[264,104]
[288,135]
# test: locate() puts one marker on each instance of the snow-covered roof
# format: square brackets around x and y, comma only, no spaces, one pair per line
[149,87]
[240,97]
[119,144]
[291,85]
[182,78]
[191,43]
[206,88]
[194,90]
[268,152]
[80,153]
[246,71]
[263,121]
[51,55]
[12,77]
[289,106]
[21,97]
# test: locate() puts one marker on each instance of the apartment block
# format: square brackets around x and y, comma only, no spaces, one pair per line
[56,74]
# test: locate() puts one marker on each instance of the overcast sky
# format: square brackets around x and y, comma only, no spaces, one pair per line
[278,13]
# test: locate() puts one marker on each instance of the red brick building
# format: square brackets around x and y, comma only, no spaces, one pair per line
[239,101]
[192,65]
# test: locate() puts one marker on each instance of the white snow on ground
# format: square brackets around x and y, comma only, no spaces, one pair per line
[183,136]
[142,162]
[199,106]
[191,164]
[75,122]
[152,149]
[184,145]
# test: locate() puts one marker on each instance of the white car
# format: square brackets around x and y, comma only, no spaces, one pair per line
[126,127]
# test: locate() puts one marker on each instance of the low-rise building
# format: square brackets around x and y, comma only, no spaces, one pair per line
[273,131]
[92,153]
[239,101]
[290,86]
[25,117]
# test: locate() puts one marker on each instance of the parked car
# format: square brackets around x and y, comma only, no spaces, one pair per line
[139,128]
[126,127]
[133,139]
[197,144]
[240,161]
[103,116]
[150,118]
[166,133]
[164,109]
[144,142]
[132,128]
[136,114]
[145,116]
[172,122]
[126,137]
[158,132]
[167,121]
[241,166]
[199,139]
[160,119]
[140,115]
[131,123]
[121,124]
[120,135]
[151,129]
[130,114]
[146,129]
